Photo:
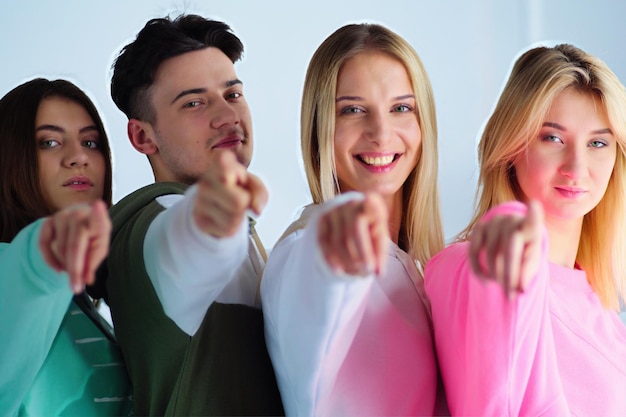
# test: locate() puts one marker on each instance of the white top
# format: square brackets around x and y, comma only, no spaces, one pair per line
[343,345]
[190,270]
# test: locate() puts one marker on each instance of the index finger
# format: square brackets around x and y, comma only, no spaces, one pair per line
[378,216]
[533,223]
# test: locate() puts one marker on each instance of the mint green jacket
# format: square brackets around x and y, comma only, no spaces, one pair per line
[55,359]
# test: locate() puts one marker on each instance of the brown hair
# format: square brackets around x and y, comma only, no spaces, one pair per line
[20,190]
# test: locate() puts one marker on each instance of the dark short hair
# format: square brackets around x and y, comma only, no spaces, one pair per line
[21,196]
[136,65]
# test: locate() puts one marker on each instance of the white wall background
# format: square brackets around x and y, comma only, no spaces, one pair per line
[468,48]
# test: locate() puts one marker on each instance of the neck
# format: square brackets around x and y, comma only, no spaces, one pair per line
[564,238]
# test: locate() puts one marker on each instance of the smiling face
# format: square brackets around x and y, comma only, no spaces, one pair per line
[568,165]
[377,134]
[200,110]
[71,164]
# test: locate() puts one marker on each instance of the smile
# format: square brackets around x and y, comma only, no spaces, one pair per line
[378,163]
[378,160]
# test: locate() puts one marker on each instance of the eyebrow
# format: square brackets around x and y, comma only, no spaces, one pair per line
[59,129]
[357,98]
[563,129]
[184,93]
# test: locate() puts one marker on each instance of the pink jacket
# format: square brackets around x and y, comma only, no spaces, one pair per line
[553,350]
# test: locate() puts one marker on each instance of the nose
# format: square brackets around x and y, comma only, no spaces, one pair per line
[223,114]
[75,155]
[378,127]
[574,164]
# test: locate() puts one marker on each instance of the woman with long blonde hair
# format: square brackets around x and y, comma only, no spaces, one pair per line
[346,320]
[549,229]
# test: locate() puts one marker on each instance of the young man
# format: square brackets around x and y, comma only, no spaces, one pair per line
[183,272]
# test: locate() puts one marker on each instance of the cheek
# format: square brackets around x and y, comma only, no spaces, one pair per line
[415,144]
[100,165]
[246,118]
[411,134]
[533,165]
[525,176]
[603,175]
[341,143]
[46,164]
[608,165]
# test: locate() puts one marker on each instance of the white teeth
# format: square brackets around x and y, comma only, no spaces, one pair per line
[378,160]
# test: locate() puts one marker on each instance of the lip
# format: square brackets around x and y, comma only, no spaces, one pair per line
[378,158]
[570,192]
[78,183]
[228,142]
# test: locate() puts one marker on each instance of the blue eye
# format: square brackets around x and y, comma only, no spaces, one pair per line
[351,110]
[597,144]
[402,108]
[552,138]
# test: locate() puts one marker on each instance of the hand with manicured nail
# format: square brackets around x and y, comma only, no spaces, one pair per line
[354,236]
[507,248]
[226,191]
[76,240]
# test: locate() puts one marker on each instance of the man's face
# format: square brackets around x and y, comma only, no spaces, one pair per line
[200,110]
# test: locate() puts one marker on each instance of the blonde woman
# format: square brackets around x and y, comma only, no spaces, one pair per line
[347,324]
[549,229]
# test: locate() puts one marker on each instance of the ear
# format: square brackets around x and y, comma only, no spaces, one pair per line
[140,135]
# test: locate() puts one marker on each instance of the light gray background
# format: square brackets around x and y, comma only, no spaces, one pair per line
[468,48]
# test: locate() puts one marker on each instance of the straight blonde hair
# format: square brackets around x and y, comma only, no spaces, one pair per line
[421,232]
[537,78]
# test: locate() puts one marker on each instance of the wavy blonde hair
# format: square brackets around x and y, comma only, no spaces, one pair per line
[537,78]
[421,232]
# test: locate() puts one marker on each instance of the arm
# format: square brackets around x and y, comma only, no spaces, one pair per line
[496,353]
[311,315]
[35,296]
[195,249]
[188,268]
[34,301]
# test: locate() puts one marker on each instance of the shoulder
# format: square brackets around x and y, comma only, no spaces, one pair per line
[448,261]
[452,252]
[146,201]
[297,226]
